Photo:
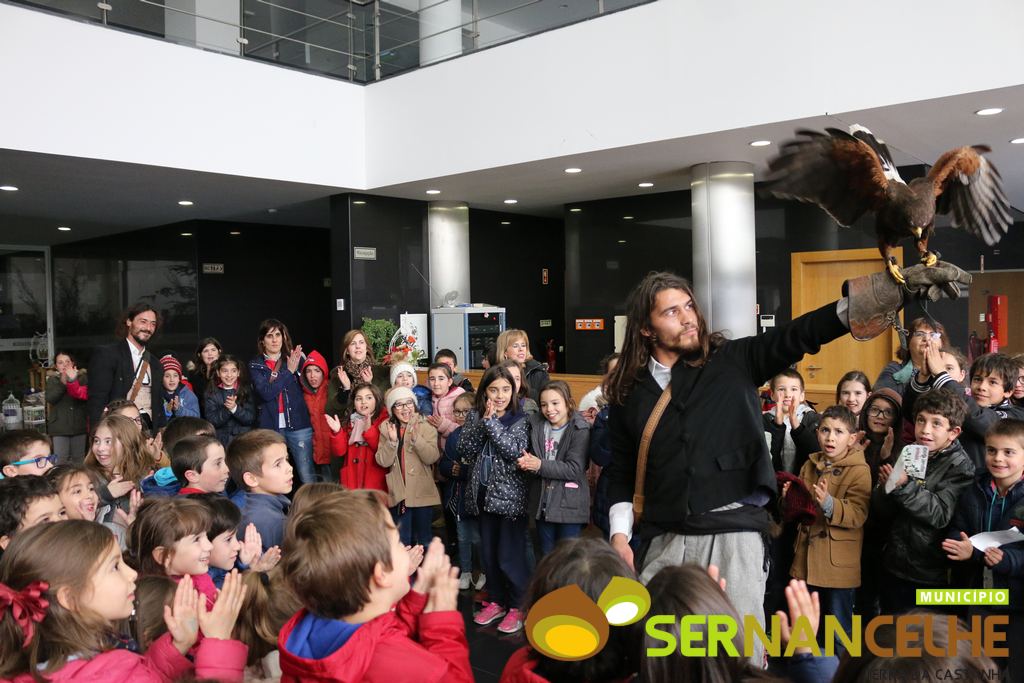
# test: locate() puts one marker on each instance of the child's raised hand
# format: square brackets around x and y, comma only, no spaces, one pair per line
[346,383]
[435,563]
[119,486]
[231,402]
[125,519]
[267,560]
[528,462]
[958,549]
[415,557]
[716,576]
[887,444]
[435,420]
[785,488]
[389,431]
[182,618]
[794,419]
[333,422]
[993,556]
[801,603]
[219,622]
[821,491]
[252,545]
[884,471]
[444,594]
[780,411]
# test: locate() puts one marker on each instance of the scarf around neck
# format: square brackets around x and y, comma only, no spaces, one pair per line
[354,369]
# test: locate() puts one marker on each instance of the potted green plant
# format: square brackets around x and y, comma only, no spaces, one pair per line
[379,333]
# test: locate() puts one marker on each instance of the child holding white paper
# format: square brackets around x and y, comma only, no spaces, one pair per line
[920,509]
[989,505]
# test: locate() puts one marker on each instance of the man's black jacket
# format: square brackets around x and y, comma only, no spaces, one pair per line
[712,450]
[111,376]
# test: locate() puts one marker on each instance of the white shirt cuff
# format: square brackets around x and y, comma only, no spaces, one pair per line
[620,520]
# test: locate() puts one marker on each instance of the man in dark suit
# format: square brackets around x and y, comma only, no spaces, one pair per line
[124,369]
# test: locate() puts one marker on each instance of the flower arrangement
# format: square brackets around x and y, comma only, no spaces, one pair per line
[403,348]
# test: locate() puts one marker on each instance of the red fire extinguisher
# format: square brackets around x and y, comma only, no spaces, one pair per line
[551,355]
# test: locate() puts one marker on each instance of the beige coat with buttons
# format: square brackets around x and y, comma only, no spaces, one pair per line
[417,487]
[828,551]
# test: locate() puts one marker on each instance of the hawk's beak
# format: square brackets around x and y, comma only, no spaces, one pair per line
[917,232]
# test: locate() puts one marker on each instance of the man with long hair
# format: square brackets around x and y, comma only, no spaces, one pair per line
[709,477]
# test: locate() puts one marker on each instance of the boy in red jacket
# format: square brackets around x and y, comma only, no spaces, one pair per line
[314,391]
[344,561]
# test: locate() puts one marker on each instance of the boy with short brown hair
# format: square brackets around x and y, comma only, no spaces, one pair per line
[827,552]
[919,510]
[258,462]
[25,451]
[345,563]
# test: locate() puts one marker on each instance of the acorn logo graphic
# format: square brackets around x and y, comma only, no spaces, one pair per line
[567,625]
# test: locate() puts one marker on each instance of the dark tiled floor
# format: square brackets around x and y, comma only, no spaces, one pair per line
[488,649]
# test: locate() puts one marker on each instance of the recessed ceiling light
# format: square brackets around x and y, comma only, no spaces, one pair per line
[506,222]
[1017,141]
[8,188]
[511,201]
[358,202]
[991,111]
[185,202]
[186,234]
[627,218]
[433,191]
[760,143]
[235,232]
[645,184]
[575,209]
[63,228]
[622,241]
[574,170]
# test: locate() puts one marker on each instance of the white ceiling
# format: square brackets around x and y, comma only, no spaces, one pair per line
[102,197]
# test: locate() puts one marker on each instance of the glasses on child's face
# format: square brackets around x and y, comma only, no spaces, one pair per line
[40,461]
[460,413]
[880,412]
[404,404]
[1020,380]
[921,334]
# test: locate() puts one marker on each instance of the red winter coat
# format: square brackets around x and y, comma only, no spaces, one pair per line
[402,645]
[520,669]
[360,470]
[222,660]
[315,402]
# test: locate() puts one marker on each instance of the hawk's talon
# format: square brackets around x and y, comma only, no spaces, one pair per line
[895,271]
[929,259]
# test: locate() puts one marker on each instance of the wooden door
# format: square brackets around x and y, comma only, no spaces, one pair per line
[818,278]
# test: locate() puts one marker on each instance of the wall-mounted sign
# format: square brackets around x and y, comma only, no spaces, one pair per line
[545,323]
[544,276]
[213,269]
[589,324]
[364,253]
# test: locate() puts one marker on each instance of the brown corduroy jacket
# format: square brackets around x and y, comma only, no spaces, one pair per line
[416,487]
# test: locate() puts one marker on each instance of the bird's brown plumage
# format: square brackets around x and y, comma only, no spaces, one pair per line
[844,175]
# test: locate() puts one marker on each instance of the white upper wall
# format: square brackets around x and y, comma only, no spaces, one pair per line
[675,68]
[666,70]
[77,89]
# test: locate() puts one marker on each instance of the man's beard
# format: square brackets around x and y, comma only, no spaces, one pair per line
[141,342]
[675,345]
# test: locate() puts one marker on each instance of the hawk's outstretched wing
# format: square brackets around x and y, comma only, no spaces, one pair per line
[970,188]
[838,172]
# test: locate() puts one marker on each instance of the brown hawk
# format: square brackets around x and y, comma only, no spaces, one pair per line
[849,174]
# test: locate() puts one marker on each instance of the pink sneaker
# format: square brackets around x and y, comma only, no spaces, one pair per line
[512,623]
[492,611]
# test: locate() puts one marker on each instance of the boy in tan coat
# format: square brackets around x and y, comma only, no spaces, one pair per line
[827,553]
[408,448]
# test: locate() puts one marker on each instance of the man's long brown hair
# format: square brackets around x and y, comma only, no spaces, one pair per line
[636,348]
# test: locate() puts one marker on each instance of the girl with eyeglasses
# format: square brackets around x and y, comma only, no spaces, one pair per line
[880,422]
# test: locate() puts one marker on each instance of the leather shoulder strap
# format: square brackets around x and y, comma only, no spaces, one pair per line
[143,369]
[645,446]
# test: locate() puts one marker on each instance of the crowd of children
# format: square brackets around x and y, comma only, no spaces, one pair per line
[281,525]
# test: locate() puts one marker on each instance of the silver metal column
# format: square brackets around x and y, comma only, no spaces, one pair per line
[724,263]
[448,245]
[440,30]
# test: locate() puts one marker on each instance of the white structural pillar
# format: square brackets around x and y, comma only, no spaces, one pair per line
[440,30]
[724,262]
[209,24]
[448,248]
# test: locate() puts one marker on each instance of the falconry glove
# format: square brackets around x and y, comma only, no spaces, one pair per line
[875,300]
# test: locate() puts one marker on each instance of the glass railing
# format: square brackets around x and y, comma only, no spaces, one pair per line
[357,40]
